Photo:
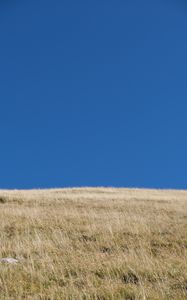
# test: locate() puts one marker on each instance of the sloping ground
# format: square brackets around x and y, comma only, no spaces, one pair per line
[93,243]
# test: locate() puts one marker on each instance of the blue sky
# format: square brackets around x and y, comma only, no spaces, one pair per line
[93,93]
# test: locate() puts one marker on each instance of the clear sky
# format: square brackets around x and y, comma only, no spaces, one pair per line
[93,93]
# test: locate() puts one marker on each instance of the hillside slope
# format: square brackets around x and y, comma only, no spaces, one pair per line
[93,243]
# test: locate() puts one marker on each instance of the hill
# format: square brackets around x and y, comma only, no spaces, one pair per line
[93,243]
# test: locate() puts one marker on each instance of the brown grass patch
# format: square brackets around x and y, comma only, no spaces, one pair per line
[94,243]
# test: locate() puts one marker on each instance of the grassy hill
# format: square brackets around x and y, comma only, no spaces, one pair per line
[93,243]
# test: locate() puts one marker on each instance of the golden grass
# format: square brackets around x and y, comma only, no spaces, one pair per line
[94,243]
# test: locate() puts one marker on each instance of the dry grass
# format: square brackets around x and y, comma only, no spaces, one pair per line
[94,243]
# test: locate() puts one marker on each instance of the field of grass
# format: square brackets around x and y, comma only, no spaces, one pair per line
[93,243]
